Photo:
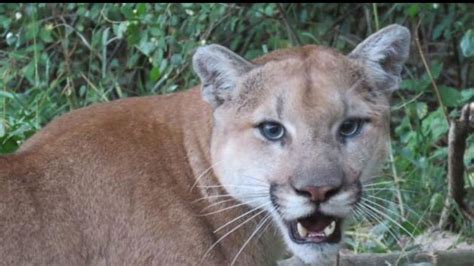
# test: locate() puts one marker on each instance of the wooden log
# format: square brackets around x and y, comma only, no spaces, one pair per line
[374,259]
[438,258]
[457,257]
[454,258]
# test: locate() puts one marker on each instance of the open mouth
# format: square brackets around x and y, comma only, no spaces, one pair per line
[317,228]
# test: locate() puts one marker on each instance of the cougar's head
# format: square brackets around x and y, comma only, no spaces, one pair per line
[297,131]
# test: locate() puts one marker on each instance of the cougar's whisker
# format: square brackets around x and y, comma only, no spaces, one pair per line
[230,232]
[240,216]
[203,174]
[257,228]
[259,194]
[231,207]
[408,208]
[384,215]
[374,216]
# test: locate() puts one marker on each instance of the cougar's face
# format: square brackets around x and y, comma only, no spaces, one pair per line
[297,141]
[297,132]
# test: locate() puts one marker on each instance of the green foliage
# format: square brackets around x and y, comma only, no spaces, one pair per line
[467,43]
[58,57]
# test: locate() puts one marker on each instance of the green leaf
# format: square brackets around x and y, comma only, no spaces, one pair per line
[6,95]
[467,95]
[132,60]
[269,10]
[176,59]
[24,128]
[2,129]
[127,10]
[29,71]
[82,90]
[442,27]
[171,88]
[133,33]
[145,46]
[467,43]
[435,123]
[415,85]
[469,155]
[5,22]
[155,74]
[156,31]
[8,146]
[120,29]
[421,109]
[45,35]
[436,69]
[450,96]
[413,10]
[141,9]
[32,30]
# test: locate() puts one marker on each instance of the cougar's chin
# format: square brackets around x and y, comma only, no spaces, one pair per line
[313,231]
[313,239]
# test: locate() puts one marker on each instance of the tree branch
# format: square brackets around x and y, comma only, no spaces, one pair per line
[459,130]
[428,71]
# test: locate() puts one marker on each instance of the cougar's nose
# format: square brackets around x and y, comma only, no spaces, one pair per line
[318,193]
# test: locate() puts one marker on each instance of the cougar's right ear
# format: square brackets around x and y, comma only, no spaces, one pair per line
[383,54]
[218,68]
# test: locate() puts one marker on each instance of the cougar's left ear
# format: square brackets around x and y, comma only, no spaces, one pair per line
[219,69]
[383,55]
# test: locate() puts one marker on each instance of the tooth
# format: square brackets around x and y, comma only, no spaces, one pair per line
[330,228]
[301,230]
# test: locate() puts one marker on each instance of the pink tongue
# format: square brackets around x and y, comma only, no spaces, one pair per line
[316,223]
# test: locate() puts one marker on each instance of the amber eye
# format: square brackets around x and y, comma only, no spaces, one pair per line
[272,131]
[350,128]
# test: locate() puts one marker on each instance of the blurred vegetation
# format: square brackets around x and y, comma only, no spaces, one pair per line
[58,57]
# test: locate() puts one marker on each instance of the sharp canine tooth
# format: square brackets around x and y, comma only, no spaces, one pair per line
[301,230]
[330,228]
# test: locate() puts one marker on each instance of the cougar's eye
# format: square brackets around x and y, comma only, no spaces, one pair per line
[272,131]
[350,128]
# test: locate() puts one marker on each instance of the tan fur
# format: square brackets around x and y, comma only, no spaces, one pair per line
[124,183]
[110,184]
